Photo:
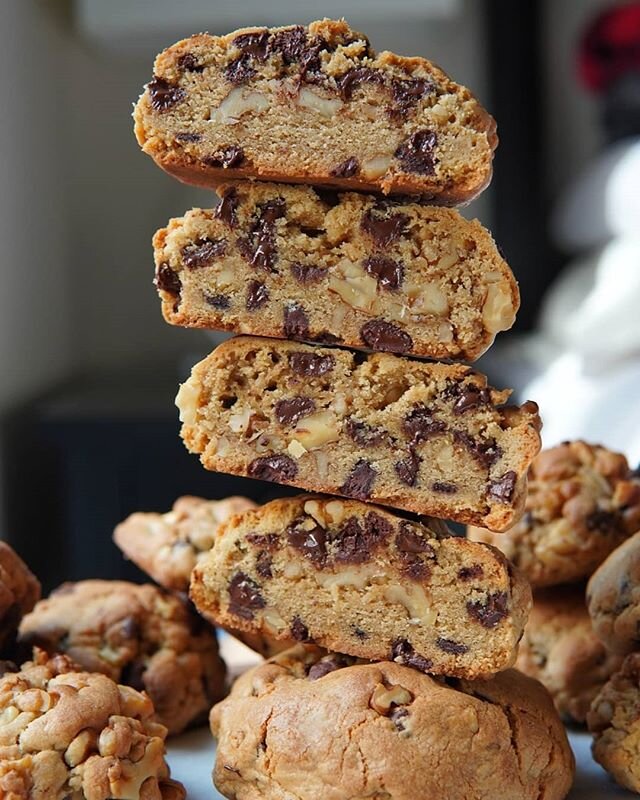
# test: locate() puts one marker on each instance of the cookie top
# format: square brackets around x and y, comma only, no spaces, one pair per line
[168,546]
[67,733]
[19,592]
[583,501]
[137,635]
[560,649]
[318,725]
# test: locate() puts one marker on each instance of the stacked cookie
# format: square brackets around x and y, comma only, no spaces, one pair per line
[314,270]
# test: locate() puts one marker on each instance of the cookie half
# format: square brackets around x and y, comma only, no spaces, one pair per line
[284,261]
[311,725]
[313,105]
[359,580]
[427,437]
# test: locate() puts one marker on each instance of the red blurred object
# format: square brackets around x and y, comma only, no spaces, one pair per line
[610,47]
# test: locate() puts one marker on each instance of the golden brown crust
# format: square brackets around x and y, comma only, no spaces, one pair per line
[19,592]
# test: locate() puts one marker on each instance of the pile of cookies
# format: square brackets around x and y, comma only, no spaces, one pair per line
[397,628]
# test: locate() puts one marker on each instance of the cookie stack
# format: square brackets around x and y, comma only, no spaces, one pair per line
[310,266]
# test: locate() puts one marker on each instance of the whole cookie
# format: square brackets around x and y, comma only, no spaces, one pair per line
[614,720]
[310,725]
[71,734]
[168,546]
[583,501]
[560,649]
[137,635]
[19,592]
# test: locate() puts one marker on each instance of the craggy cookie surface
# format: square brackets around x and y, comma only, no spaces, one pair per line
[19,592]
[359,580]
[138,635]
[285,261]
[309,725]
[70,734]
[313,105]
[583,501]
[426,437]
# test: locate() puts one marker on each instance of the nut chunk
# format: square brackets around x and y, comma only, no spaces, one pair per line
[313,105]
[286,261]
[427,437]
[356,579]
[72,734]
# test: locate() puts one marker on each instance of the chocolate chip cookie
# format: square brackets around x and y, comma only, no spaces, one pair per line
[137,635]
[560,649]
[168,546]
[583,501]
[313,105]
[359,580]
[283,261]
[65,733]
[426,437]
[311,725]
[19,592]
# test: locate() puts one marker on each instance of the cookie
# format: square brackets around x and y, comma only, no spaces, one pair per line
[345,265]
[313,105]
[614,720]
[309,725]
[560,649]
[137,635]
[427,437]
[71,734]
[583,501]
[168,546]
[19,592]
[356,579]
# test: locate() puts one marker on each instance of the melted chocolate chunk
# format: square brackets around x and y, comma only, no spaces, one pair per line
[444,488]
[264,564]
[230,156]
[227,209]
[406,93]
[407,468]
[416,154]
[266,541]
[409,540]
[219,301]
[324,337]
[363,434]
[244,596]
[502,489]
[291,43]
[203,252]
[491,611]
[360,481]
[402,652]
[185,136]
[384,230]
[486,453]
[386,271]
[307,273]
[296,322]
[168,280]
[385,337]
[164,95]
[356,77]
[277,467]
[311,365]
[355,543]
[328,196]
[259,246]
[311,543]
[399,716]
[471,397]
[189,63]
[419,425]
[254,44]
[239,70]
[289,411]
[257,295]
[449,646]
[328,664]
[299,630]
[602,522]
[346,169]
[468,573]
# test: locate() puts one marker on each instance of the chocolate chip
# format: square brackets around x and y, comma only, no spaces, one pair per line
[263,564]
[407,468]
[228,207]
[230,156]
[330,197]
[185,136]
[602,522]
[502,489]
[277,467]
[311,543]
[386,337]
[468,573]
[244,596]
[346,169]
[220,301]
[386,271]
[491,611]
[311,365]
[409,540]
[299,630]
[203,252]
[471,397]
[289,411]
[486,453]
[307,273]
[360,481]
[416,153]
[384,230]
[355,543]
[257,295]
[133,675]
[290,43]
[419,425]
[259,246]
[168,280]
[254,44]
[267,541]
[449,646]
[189,63]
[360,634]
[239,70]
[402,652]
[444,488]
[324,337]
[399,716]
[296,322]
[163,94]
[328,664]
[363,434]
[406,93]
[356,77]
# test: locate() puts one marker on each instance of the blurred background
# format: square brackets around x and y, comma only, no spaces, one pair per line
[89,432]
